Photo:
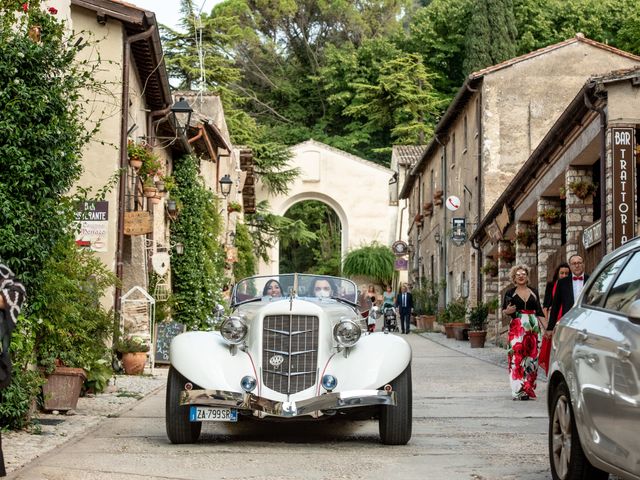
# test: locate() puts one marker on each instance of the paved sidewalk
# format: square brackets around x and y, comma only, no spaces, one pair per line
[490,353]
[22,447]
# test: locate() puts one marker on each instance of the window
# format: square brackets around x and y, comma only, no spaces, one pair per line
[465,136]
[453,150]
[599,288]
[626,290]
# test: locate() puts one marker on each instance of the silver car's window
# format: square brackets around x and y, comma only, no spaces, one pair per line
[626,290]
[598,290]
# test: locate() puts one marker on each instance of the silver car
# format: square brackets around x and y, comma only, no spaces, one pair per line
[594,377]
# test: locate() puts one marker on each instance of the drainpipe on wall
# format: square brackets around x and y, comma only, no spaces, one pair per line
[603,170]
[122,190]
[443,271]
[480,261]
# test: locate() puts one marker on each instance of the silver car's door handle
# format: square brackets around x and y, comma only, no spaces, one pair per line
[582,336]
[624,352]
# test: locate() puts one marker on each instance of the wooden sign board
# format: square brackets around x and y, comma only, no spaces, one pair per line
[165,332]
[624,184]
[138,223]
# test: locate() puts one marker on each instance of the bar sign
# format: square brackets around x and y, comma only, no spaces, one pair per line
[624,185]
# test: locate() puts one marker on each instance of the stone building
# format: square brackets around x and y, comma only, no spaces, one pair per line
[355,188]
[133,234]
[497,118]
[595,201]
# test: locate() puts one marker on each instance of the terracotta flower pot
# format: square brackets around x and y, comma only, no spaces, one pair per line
[477,339]
[150,191]
[133,362]
[62,388]
[135,163]
[448,330]
[460,331]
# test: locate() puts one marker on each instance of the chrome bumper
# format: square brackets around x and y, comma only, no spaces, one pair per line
[249,401]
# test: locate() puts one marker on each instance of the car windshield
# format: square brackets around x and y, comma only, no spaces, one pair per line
[298,285]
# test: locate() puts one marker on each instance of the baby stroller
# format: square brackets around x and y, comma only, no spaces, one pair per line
[390,319]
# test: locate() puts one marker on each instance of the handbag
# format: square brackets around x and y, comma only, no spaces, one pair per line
[545,354]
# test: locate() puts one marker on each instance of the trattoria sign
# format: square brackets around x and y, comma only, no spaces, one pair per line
[624,185]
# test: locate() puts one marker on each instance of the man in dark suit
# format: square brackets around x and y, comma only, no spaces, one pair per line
[404,302]
[567,291]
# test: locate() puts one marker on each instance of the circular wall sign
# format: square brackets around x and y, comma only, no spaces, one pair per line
[400,248]
[453,203]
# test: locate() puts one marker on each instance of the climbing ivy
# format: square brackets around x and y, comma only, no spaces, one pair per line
[246,264]
[43,128]
[198,273]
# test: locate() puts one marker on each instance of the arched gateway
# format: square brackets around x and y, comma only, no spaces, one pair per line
[356,189]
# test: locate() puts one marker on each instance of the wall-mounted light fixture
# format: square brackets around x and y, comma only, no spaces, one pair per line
[225,185]
[181,112]
[179,246]
[436,237]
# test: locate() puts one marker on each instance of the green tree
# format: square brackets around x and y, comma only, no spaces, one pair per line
[322,255]
[491,36]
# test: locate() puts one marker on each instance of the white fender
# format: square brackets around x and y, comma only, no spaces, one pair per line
[372,363]
[205,359]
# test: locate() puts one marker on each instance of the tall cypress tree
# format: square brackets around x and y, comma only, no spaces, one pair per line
[492,33]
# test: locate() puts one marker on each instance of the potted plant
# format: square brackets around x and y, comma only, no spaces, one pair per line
[149,187]
[234,207]
[582,188]
[526,237]
[550,215]
[563,192]
[72,333]
[490,268]
[425,302]
[151,167]
[418,218]
[160,185]
[438,197]
[477,320]
[428,209]
[507,255]
[455,326]
[134,353]
[136,152]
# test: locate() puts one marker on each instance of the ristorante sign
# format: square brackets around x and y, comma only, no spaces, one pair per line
[624,185]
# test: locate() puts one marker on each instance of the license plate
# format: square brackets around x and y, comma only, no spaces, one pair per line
[212,414]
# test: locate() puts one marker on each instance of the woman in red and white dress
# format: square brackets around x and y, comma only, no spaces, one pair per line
[522,304]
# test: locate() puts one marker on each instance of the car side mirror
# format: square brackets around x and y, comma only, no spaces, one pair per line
[634,312]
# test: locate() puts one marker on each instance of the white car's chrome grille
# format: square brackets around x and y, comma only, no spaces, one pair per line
[290,352]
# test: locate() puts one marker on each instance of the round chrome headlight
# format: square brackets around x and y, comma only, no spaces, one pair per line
[233,330]
[347,333]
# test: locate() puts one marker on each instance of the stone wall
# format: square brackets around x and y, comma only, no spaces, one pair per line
[579,211]
[549,240]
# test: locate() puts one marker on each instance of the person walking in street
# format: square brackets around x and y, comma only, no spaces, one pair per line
[388,297]
[12,295]
[567,291]
[404,302]
[372,298]
[561,271]
[522,304]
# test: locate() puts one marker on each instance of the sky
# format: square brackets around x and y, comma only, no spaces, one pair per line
[168,11]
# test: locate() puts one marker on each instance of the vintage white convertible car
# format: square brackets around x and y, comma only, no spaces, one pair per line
[294,346]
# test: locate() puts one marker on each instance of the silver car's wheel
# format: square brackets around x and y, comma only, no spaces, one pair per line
[395,422]
[179,428]
[568,461]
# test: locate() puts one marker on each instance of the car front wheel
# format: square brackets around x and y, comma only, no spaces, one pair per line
[568,461]
[395,422]
[179,428]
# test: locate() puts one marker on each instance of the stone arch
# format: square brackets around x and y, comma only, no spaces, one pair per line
[357,190]
[327,200]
